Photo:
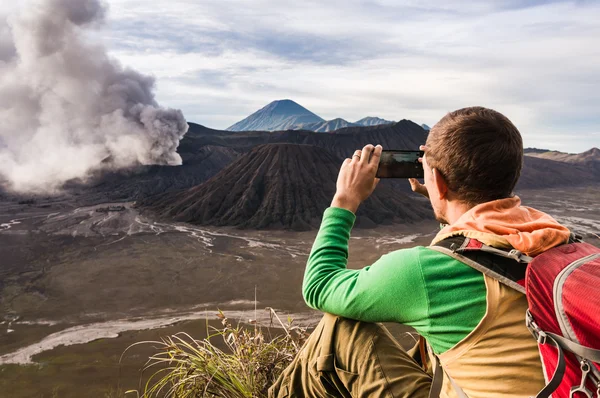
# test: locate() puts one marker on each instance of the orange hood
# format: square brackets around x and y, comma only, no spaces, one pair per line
[505,223]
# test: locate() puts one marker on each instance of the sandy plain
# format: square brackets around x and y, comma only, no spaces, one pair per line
[80,283]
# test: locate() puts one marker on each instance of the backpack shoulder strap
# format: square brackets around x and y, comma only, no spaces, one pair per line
[506,266]
[437,380]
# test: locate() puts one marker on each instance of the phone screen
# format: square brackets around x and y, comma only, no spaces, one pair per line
[400,164]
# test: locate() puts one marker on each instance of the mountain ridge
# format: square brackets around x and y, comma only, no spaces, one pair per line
[326,126]
[206,152]
[287,114]
[591,155]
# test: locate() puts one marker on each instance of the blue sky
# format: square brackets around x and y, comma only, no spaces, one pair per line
[538,62]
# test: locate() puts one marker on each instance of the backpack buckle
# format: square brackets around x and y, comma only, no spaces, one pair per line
[529,322]
[515,254]
[535,330]
[541,337]
[518,256]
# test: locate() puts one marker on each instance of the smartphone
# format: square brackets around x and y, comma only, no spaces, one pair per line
[400,164]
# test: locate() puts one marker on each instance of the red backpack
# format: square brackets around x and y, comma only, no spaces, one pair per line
[563,291]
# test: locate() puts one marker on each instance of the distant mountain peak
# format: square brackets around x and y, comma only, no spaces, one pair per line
[372,121]
[425,127]
[277,115]
[285,106]
[326,126]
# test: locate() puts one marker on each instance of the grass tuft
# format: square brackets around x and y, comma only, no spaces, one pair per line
[245,367]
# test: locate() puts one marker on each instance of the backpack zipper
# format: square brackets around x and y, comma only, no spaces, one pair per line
[563,320]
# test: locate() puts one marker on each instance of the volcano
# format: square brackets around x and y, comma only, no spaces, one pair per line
[278,115]
[280,186]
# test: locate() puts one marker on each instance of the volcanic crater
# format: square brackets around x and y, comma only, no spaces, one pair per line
[280,186]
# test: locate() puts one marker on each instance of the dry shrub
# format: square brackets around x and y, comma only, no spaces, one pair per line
[249,365]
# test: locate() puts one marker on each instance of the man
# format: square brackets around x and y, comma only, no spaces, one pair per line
[475,325]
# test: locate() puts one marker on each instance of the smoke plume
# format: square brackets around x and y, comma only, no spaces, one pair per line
[67,109]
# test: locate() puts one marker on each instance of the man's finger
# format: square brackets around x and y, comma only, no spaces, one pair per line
[357,155]
[376,155]
[413,184]
[366,153]
[417,187]
[424,149]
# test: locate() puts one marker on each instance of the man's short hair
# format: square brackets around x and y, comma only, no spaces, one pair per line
[479,152]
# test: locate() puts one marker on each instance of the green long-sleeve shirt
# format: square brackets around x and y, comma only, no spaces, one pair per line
[441,298]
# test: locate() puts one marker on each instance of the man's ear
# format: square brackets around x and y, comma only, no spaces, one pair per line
[440,183]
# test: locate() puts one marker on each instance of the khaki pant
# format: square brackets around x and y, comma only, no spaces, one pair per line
[347,358]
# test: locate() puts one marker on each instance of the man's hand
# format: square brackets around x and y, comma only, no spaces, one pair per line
[415,185]
[356,180]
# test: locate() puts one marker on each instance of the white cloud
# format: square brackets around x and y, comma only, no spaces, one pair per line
[219,61]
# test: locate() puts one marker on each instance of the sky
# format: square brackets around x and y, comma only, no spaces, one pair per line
[538,62]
